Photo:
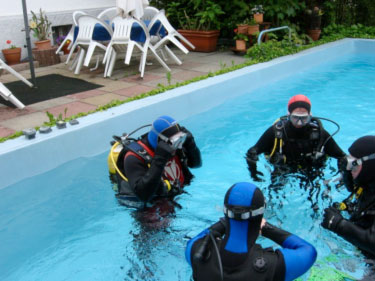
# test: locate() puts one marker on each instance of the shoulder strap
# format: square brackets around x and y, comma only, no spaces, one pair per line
[139,150]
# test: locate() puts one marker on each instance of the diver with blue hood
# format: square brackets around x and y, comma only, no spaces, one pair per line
[228,251]
[358,170]
[156,165]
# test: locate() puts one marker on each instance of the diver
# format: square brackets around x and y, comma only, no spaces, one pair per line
[358,171]
[294,142]
[154,166]
[227,250]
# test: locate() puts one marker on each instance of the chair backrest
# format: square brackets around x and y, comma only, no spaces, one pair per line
[160,16]
[76,15]
[123,27]
[108,14]
[86,25]
[149,13]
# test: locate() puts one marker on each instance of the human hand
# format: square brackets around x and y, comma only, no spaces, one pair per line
[332,218]
[164,149]
[262,224]
[189,137]
[255,174]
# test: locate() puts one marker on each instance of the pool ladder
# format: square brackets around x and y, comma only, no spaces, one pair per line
[274,29]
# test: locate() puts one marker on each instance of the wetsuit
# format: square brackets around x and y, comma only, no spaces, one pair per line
[294,148]
[148,181]
[360,228]
[241,262]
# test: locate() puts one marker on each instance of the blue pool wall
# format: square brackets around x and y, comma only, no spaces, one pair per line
[21,158]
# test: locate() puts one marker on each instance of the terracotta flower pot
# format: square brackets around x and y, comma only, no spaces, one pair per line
[252,29]
[314,34]
[258,18]
[242,28]
[43,45]
[12,56]
[241,45]
[204,41]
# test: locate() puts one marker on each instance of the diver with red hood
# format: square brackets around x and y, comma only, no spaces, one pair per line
[296,141]
[228,251]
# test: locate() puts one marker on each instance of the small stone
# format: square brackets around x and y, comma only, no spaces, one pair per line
[73,122]
[29,133]
[45,130]
[61,124]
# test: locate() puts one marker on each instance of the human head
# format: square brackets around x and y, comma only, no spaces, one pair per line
[163,124]
[241,234]
[299,109]
[364,173]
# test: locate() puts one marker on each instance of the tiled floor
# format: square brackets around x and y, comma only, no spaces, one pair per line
[124,83]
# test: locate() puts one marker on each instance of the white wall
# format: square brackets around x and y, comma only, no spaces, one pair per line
[14,8]
[59,12]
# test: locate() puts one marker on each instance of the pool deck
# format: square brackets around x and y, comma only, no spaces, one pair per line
[124,83]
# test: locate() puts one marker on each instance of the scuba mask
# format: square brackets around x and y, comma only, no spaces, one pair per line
[352,163]
[300,119]
[242,213]
[176,140]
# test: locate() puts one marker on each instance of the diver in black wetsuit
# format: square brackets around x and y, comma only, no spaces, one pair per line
[156,165]
[295,141]
[358,170]
[227,250]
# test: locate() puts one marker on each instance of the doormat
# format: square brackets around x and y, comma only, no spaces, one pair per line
[48,87]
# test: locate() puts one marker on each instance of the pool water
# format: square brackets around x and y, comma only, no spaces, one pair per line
[67,225]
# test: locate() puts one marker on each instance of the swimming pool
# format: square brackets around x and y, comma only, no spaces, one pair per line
[59,219]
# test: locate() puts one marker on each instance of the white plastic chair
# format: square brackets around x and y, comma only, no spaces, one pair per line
[4,91]
[121,42]
[108,14]
[84,40]
[75,16]
[149,13]
[171,36]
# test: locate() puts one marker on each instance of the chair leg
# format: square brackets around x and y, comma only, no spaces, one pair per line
[97,63]
[179,45]
[172,55]
[15,73]
[75,61]
[7,95]
[71,53]
[80,61]
[129,52]
[187,42]
[112,63]
[89,53]
[159,59]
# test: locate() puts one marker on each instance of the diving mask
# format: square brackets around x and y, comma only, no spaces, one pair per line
[300,118]
[353,163]
[176,141]
[241,212]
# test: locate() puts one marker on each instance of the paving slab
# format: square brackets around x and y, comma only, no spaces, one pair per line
[71,108]
[7,112]
[103,99]
[4,132]
[40,106]
[87,94]
[187,75]
[25,121]
[116,85]
[134,90]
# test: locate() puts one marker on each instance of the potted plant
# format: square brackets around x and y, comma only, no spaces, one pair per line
[258,13]
[199,23]
[60,40]
[253,27]
[241,40]
[41,26]
[12,54]
[314,17]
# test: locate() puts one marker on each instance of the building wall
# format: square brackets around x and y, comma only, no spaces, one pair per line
[58,12]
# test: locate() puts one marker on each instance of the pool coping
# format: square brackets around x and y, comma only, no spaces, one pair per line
[37,155]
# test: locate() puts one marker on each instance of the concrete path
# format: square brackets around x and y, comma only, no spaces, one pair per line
[124,83]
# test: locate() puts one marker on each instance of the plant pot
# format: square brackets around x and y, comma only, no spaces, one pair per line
[43,45]
[242,28]
[12,56]
[314,34]
[204,41]
[241,45]
[258,18]
[252,29]
[65,48]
